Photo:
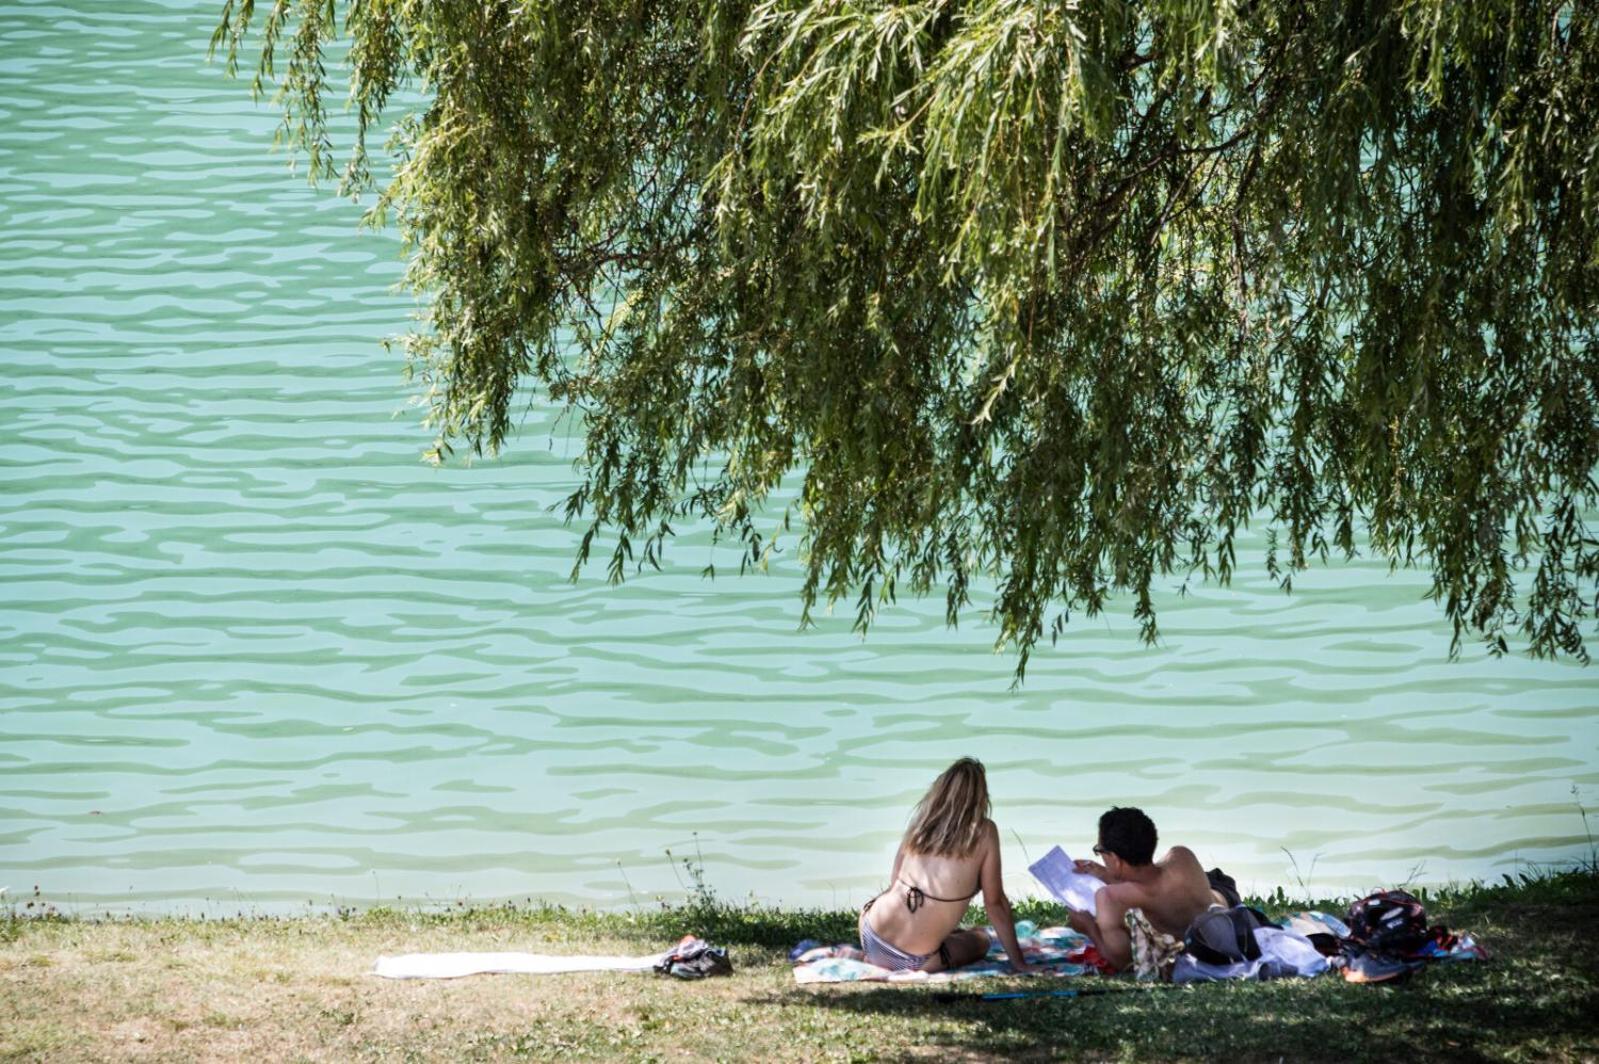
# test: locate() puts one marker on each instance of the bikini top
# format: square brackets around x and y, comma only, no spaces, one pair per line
[916,897]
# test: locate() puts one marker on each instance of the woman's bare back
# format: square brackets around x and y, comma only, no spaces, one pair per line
[939,889]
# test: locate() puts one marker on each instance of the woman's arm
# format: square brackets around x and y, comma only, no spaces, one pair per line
[998,905]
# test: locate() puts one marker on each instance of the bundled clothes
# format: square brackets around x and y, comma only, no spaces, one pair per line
[1154,952]
[1283,954]
[1273,953]
[1387,937]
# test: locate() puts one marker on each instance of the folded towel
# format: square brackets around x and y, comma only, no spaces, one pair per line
[455,965]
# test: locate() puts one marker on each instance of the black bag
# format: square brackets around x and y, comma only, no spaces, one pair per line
[694,959]
[1224,936]
[1390,921]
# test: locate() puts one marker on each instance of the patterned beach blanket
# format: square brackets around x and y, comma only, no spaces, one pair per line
[1060,950]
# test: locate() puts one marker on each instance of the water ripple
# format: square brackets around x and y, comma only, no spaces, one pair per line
[252,650]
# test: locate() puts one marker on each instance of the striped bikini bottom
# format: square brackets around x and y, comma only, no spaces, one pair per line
[886,955]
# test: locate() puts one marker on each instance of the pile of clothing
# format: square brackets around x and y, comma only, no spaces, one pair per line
[694,958]
[1389,938]
[1386,938]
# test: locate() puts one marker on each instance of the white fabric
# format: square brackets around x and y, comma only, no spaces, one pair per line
[1282,954]
[1311,922]
[455,965]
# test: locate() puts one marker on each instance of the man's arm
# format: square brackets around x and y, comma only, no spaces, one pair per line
[1114,943]
[1107,930]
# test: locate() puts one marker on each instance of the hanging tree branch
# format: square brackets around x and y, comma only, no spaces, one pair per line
[1060,292]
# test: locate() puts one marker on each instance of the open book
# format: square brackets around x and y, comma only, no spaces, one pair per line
[1056,872]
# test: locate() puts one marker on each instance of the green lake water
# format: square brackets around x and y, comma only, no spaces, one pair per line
[254,653]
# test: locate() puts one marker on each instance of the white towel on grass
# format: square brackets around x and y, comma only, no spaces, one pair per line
[455,965]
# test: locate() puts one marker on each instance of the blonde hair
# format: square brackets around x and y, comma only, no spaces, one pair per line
[948,821]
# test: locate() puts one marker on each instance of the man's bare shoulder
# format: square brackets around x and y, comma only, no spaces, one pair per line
[1121,896]
[1178,856]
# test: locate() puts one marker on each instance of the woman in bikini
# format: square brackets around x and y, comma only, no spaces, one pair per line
[949,855]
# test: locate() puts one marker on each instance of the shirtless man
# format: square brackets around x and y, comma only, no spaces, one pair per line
[1171,891]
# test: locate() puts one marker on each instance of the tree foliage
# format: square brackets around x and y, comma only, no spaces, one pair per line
[1063,294]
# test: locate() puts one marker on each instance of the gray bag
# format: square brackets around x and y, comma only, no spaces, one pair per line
[1224,936]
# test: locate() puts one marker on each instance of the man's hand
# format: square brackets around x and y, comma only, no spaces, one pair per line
[1091,868]
[1081,922]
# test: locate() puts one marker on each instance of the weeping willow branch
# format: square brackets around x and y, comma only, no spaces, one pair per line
[1061,293]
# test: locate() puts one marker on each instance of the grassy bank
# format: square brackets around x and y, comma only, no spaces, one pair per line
[287,989]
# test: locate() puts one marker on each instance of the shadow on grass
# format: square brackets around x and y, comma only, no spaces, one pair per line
[1538,998]
[1464,1012]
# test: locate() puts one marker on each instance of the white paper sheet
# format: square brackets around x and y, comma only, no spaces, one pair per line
[1075,889]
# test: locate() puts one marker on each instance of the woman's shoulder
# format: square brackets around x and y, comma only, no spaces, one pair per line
[988,833]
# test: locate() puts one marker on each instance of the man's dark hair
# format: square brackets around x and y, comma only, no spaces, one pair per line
[1129,834]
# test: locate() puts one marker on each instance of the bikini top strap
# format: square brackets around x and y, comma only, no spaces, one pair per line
[916,897]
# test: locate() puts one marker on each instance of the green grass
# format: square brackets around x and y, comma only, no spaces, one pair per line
[295,989]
